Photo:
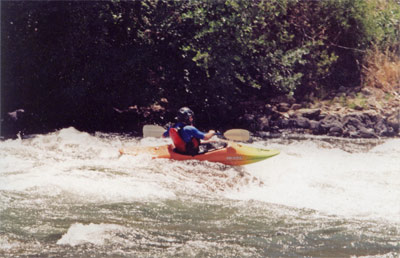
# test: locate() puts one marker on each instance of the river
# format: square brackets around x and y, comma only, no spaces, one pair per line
[70,194]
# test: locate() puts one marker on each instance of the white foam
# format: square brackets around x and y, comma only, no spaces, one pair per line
[307,174]
[362,185]
[96,234]
[390,146]
[5,244]
[78,165]
[151,141]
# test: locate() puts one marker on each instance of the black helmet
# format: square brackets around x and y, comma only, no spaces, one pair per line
[184,114]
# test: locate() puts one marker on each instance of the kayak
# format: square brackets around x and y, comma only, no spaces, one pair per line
[234,154]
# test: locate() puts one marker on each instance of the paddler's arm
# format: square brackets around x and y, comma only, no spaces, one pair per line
[194,132]
[209,135]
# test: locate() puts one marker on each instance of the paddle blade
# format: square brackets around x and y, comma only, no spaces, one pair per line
[237,135]
[153,131]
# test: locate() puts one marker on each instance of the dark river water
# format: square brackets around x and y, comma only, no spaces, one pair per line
[70,194]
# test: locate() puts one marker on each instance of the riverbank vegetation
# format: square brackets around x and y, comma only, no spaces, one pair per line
[116,65]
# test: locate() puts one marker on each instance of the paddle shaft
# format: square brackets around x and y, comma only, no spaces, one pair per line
[232,134]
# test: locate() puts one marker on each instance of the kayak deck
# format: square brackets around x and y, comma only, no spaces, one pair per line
[235,154]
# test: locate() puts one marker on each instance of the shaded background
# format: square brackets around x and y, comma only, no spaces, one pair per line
[116,65]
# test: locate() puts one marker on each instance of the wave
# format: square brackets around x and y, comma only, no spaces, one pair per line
[310,173]
[96,234]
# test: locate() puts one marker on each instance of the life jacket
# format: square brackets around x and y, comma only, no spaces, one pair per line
[181,146]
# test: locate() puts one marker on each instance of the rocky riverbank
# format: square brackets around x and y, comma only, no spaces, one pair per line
[350,113]
[365,113]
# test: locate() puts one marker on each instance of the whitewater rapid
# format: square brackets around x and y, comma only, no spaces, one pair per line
[54,175]
[304,175]
[362,184]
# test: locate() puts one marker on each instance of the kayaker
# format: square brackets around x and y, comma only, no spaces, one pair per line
[185,136]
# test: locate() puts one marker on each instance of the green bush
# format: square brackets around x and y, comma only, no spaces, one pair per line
[88,57]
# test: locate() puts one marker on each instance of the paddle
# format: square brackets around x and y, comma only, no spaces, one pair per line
[237,135]
[232,134]
[153,131]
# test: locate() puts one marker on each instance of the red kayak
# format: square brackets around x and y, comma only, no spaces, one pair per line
[234,154]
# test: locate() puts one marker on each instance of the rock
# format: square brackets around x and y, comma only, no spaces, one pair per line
[351,131]
[275,115]
[314,125]
[269,110]
[276,135]
[368,119]
[284,115]
[283,99]
[358,107]
[268,134]
[379,126]
[275,128]
[351,95]
[322,116]
[394,122]
[283,107]
[335,130]
[340,95]
[329,122]
[248,117]
[312,114]
[367,133]
[248,120]
[262,134]
[296,106]
[263,123]
[352,120]
[372,114]
[372,103]
[282,123]
[391,132]
[366,92]
[318,129]
[302,122]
